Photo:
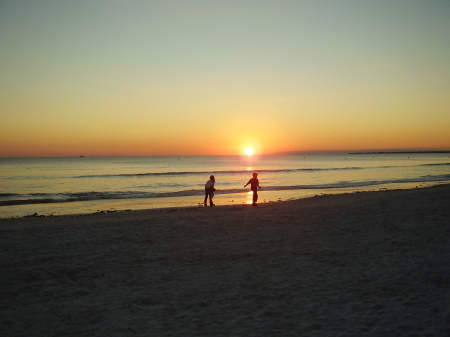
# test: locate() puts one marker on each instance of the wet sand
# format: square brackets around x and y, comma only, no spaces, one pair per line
[360,264]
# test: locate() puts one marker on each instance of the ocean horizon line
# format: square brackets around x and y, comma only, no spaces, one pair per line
[280,153]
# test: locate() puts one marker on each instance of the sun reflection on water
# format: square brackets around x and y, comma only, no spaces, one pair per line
[249,198]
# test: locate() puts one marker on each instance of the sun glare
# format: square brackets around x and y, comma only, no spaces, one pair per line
[249,151]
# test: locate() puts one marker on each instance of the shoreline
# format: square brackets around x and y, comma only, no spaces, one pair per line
[359,264]
[241,199]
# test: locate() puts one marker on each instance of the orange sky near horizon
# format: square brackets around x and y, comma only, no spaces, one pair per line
[118,78]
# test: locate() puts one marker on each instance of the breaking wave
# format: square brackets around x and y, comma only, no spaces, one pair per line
[9,199]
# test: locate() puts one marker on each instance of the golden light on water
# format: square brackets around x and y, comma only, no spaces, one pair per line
[249,200]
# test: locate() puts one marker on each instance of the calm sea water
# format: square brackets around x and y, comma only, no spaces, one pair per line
[85,185]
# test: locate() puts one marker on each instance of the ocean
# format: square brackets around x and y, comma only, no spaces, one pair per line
[55,186]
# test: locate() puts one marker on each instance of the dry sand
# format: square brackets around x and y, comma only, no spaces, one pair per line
[362,264]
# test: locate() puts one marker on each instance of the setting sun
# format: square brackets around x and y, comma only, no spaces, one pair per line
[249,151]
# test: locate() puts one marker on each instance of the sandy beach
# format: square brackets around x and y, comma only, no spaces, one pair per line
[360,264]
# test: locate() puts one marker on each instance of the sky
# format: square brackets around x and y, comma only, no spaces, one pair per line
[143,77]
